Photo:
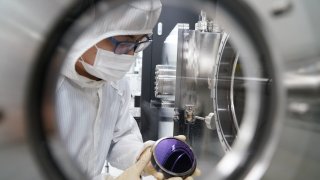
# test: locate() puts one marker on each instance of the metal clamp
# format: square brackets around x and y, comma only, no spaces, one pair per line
[208,119]
[189,114]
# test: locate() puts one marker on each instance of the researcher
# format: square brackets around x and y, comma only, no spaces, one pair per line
[92,97]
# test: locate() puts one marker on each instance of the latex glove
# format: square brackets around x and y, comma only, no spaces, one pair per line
[134,172]
[149,169]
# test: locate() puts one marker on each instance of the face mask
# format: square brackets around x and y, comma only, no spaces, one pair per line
[109,66]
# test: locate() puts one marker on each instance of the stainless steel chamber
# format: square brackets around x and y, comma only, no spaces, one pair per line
[276,138]
[209,88]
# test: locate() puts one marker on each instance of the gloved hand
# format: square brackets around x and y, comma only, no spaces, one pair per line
[197,172]
[134,172]
[149,169]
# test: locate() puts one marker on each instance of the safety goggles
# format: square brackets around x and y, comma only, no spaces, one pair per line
[123,47]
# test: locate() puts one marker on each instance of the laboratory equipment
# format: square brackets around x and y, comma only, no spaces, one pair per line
[278,135]
[173,158]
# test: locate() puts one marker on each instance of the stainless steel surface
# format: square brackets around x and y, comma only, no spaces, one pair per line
[165,76]
[198,53]
[233,111]
[227,116]
[297,87]
[291,32]
[295,35]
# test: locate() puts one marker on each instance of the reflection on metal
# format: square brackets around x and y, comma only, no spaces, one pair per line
[235,121]
[201,78]
[208,119]
[222,91]
[210,80]
[205,67]
[189,112]
[198,52]
[205,25]
[27,23]
[303,85]
[165,76]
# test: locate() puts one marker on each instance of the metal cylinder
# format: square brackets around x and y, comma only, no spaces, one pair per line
[165,81]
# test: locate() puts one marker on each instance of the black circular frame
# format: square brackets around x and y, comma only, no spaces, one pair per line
[36,95]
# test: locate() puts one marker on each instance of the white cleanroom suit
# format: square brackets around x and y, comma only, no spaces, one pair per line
[93,116]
